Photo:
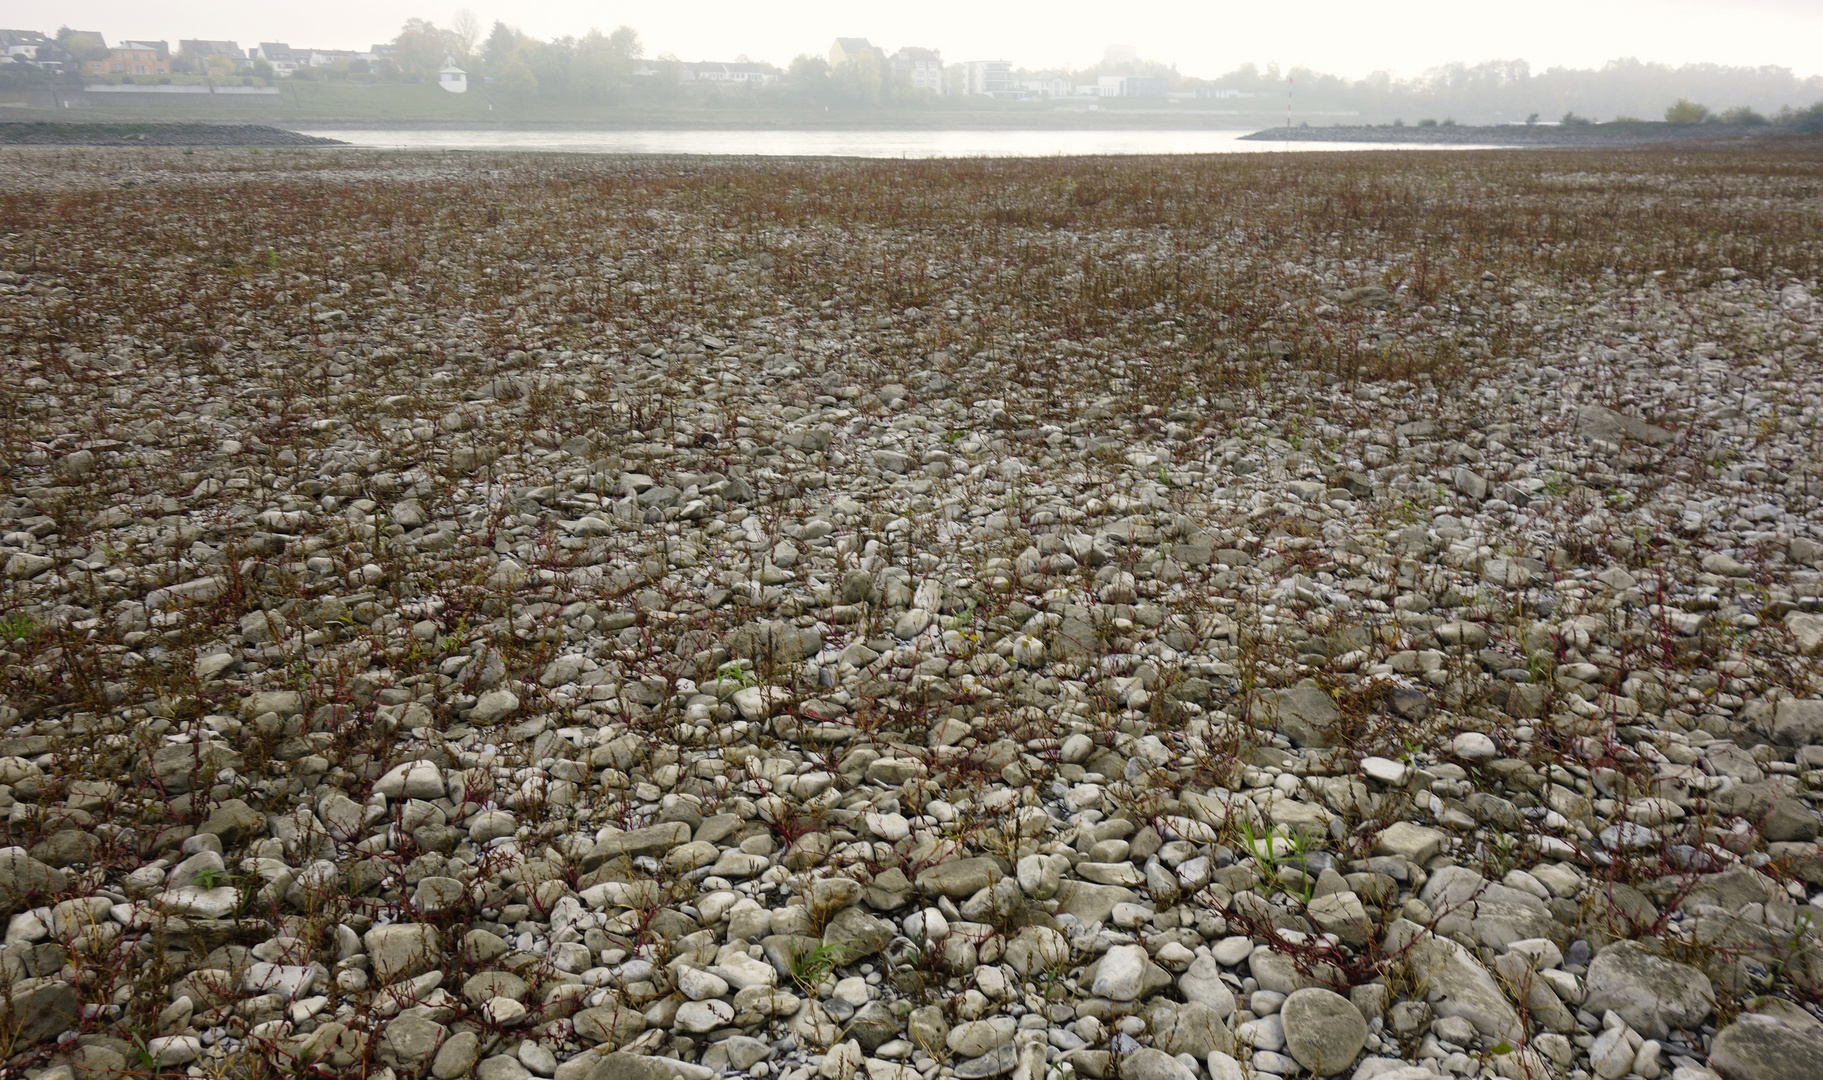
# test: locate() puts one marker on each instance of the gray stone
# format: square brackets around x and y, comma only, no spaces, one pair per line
[621,1065]
[1201,983]
[1798,722]
[1599,423]
[611,1024]
[873,1025]
[1189,1028]
[996,1062]
[736,1053]
[1151,1064]
[402,950]
[651,840]
[502,1067]
[854,934]
[1652,994]
[1455,983]
[1414,843]
[959,879]
[42,1008]
[927,1028]
[1121,973]
[1343,915]
[1757,1047]
[977,1037]
[1091,903]
[1038,877]
[24,880]
[1036,949]
[1807,629]
[494,706]
[697,1017]
[1323,1030]
[456,1056]
[409,1040]
[1304,714]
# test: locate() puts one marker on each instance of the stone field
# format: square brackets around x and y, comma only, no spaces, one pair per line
[1151,618]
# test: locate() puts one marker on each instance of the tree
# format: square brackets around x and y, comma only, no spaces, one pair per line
[422,47]
[624,43]
[517,80]
[80,45]
[1685,111]
[502,43]
[465,32]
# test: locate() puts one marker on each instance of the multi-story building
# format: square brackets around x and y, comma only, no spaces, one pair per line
[847,50]
[993,78]
[921,69]
[133,58]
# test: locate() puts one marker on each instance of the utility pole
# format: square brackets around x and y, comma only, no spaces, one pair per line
[1288,85]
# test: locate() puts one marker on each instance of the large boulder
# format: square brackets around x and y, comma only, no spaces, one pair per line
[402,950]
[1304,714]
[1455,983]
[1652,994]
[1323,1030]
[24,880]
[1759,1047]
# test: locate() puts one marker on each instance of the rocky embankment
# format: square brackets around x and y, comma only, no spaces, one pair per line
[577,619]
[44,133]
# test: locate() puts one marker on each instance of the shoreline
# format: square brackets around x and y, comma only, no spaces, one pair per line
[177,134]
[1516,135]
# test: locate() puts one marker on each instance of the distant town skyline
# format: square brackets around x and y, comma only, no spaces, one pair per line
[1203,38]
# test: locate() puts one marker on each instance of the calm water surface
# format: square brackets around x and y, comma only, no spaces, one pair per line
[866,144]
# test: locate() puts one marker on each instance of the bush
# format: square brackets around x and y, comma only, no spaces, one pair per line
[1427,122]
[1570,119]
[1742,114]
[1686,111]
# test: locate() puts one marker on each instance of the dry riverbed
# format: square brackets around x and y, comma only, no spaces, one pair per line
[1174,619]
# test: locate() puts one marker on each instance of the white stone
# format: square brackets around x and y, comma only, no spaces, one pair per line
[1474,746]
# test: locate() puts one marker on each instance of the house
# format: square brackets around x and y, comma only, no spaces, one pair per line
[1048,86]
[847,50]
[1132,86]
[742,73]
[992,78]
[284,59]
[28,46]
[133,58]
[921,69]
[213,57]
[452,78]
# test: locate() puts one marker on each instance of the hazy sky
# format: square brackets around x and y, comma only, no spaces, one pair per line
[1203,37]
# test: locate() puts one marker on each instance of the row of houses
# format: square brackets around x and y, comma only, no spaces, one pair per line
[913,66]
[202,56]
[124,58]
[924,70]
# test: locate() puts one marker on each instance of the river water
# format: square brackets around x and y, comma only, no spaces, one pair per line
[827,143]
